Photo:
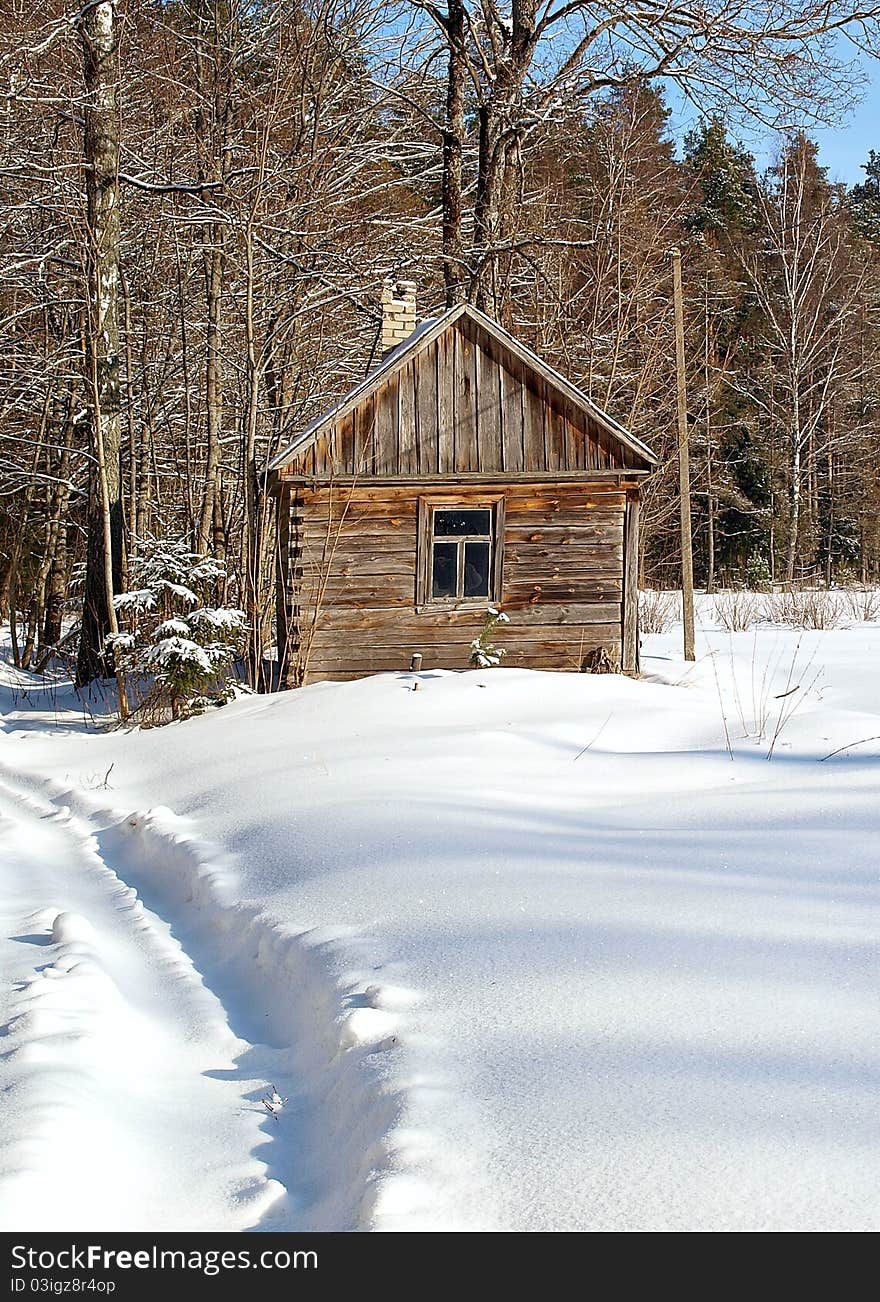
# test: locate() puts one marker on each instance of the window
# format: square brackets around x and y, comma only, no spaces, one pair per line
[461,559]
[462,545]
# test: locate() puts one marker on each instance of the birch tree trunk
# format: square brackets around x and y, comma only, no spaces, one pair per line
[214,66]
[215,257]
[98,35]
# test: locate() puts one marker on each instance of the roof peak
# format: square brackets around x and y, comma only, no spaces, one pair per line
[423,335]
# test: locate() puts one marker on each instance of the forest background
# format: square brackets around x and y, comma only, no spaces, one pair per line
[202,199]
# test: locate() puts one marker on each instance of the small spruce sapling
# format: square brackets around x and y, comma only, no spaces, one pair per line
[173,636]
[484,653]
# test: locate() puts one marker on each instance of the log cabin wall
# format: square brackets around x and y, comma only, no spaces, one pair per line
[352,554]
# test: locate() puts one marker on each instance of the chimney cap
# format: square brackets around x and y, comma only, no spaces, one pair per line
[397,285]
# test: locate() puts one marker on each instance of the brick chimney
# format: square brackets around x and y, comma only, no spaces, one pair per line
[398,312]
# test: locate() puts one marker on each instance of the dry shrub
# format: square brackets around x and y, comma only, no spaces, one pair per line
[658,611]
[863,604]
[809,609]
[737,611]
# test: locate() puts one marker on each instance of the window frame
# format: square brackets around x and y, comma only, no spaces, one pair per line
[494,503]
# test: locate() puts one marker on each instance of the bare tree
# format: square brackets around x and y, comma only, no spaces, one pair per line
[530,63]
[98,29]
[810,290]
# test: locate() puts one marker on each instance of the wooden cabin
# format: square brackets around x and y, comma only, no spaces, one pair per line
[464,473]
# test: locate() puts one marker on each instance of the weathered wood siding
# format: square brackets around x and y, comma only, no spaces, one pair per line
[463,405]
[351,594]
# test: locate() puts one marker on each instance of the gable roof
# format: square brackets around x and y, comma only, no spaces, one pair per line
[424,335]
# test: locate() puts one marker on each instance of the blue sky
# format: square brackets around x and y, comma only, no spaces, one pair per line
[845,148]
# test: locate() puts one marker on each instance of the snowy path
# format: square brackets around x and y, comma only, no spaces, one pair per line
[124,1108]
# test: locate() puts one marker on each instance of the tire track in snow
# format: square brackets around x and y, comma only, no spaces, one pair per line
[122,1109]
[280,1015]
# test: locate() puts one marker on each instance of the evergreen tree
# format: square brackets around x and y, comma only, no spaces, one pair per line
[864,200]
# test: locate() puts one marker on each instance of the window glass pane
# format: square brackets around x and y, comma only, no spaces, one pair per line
[445,577]
[456,524]
[476,569]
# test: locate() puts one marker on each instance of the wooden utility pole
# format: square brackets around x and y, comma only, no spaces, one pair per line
[684,476]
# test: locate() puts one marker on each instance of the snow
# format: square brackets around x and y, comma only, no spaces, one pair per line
[170,652]
[521,951]
[111,1042]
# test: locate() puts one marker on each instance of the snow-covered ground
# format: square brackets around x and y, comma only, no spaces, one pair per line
[521,951]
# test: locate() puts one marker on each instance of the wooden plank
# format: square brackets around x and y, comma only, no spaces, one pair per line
[450,624]
[392,565]
[354,546]
[566,581]
[345,441]
[326,453]
[387,590]
[591,435]
[587,590]
[578,494]
[563,533]
[621,477]
[388,428]
[390,591]
[580,454]
[409,463]
[534,456]
[554,437]
[513,396]
[427,435]
[391,505]
[375,589]
[356,543]
[549,566]
[364,437]
[345,578]
[364,596]
[630,652]
[572,508]
[328,645]
[547,653]
[610,535]
[465,458]
[490,456]
[574,501]
[570,549]
[446,402]
[547,569]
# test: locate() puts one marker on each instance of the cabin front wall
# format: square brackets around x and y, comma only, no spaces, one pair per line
[349,578]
